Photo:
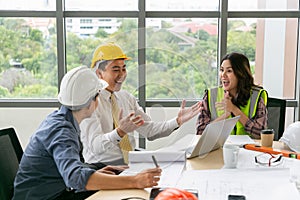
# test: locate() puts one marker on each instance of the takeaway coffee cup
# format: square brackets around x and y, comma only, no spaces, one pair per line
[230,155]
[267,137]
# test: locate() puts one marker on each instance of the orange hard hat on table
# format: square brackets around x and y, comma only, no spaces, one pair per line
[175,193]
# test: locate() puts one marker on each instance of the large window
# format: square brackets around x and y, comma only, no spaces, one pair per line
[28,62]
[175,45]
[184,52]
[187,5]
[263,5]
[29,5]
[101,5]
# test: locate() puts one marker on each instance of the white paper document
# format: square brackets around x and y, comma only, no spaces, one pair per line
[240,140]
[171,163]
[255,184]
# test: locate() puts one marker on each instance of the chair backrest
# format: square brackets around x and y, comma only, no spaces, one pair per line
[276,115]
[10,156]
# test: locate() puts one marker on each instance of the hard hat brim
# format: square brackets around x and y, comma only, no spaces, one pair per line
[120,58]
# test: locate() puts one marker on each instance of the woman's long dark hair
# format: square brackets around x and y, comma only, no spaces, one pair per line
[241,68]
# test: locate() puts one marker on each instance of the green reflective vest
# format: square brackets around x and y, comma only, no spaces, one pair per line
[217,94]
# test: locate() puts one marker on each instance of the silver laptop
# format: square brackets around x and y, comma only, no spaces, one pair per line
[213,137]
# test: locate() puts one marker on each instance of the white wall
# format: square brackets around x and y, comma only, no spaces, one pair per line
[24,120]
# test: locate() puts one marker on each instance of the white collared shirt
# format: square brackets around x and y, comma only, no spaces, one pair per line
[101,141]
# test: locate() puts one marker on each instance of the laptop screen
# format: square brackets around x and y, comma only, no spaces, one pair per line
[213,137]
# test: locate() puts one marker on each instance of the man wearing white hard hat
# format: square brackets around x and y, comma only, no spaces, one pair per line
[52,166]
[100,137]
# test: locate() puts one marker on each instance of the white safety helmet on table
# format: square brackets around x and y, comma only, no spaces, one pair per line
[78,87]
[291,136]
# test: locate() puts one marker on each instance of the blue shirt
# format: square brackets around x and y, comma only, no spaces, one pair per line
[51,161]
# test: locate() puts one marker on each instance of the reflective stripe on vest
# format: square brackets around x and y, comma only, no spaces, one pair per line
[217,94]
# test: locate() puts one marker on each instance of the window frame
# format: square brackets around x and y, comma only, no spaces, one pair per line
[141,14]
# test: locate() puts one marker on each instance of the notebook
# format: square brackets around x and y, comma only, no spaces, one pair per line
[213,137]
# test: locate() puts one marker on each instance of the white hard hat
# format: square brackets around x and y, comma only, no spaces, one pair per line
[78,87]
[291,136]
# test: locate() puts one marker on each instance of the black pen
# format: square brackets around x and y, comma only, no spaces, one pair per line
[155,161]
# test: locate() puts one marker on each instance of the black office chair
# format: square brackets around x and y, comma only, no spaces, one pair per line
[276,116]
[10,156]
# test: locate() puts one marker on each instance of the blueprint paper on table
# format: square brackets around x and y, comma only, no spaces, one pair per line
[171,163]
[255,184]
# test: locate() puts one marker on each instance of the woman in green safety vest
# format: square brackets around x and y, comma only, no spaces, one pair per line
[236,95]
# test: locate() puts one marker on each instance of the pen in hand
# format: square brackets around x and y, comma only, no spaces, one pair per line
[155,161]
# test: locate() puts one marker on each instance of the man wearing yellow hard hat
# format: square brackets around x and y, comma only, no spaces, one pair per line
[52,166]
[102,139]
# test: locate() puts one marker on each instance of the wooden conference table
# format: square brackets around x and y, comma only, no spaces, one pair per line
[213,160]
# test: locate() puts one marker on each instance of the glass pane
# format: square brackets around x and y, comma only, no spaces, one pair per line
[271,48]
[267,5]
[28,5]
[184,53]
[28,62]
[103,5]
[82,41]
[179,5]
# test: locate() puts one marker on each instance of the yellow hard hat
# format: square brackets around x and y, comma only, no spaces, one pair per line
[108,51]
